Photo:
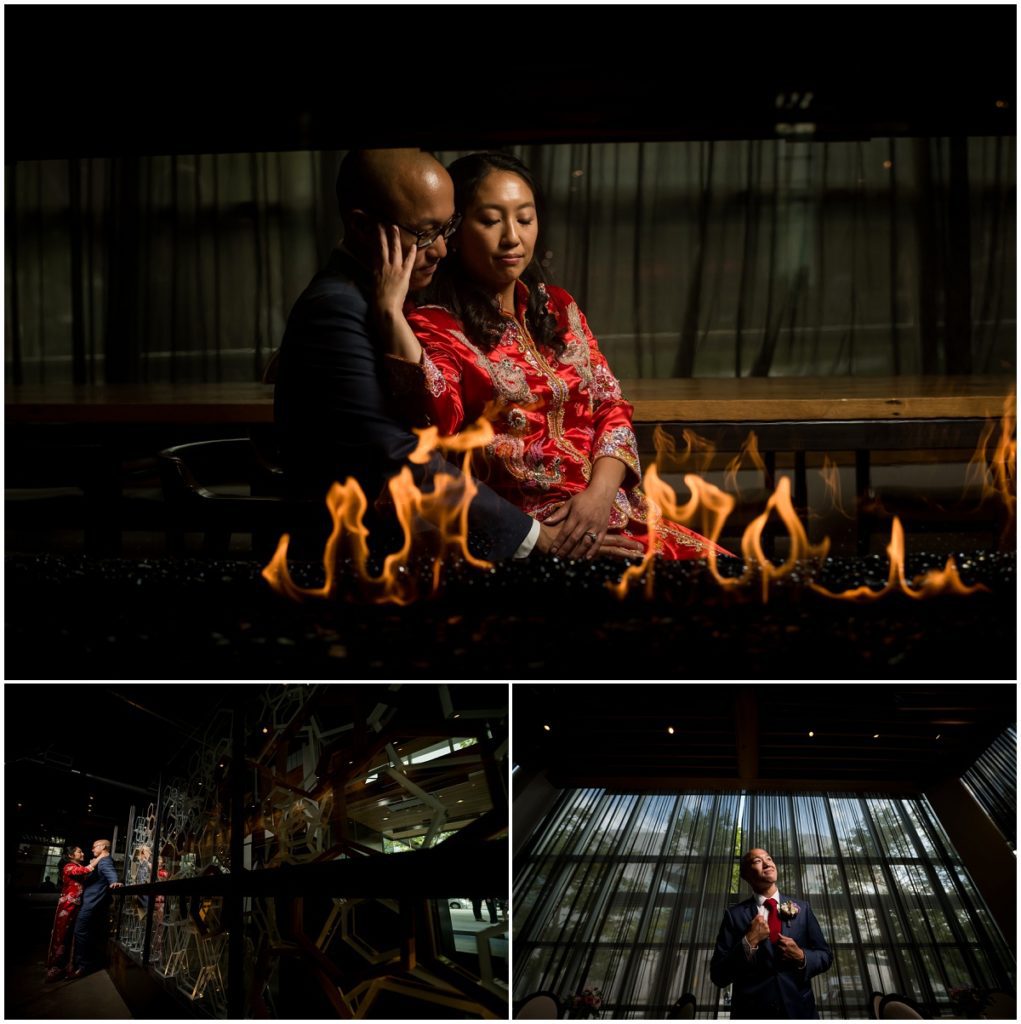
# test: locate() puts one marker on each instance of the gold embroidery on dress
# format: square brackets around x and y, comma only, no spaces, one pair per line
[577,353]
[434,380]
[508,380]
[525,464]
[517,421]
[560,392]
[620,443]
[605,387]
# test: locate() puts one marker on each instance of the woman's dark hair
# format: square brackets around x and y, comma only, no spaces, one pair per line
[471,304]
[65,859]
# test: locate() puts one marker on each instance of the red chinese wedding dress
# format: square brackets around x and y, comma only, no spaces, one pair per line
[552,416]
[68,904]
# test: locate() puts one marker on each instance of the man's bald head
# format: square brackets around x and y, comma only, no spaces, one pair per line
[376,179]
[387,187]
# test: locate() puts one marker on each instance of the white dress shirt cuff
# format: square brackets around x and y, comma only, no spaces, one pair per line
[748,951]
[525,548]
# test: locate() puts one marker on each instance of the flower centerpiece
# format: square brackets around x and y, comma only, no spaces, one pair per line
[968,1002]
[586,1004]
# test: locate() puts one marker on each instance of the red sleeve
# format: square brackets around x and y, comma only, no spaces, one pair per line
[611,414]
[73,870]
[441,367]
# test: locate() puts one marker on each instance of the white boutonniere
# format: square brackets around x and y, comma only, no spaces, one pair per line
[789,910]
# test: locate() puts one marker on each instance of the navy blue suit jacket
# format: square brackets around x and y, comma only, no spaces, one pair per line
[768,986]
[333,415]
[96,889]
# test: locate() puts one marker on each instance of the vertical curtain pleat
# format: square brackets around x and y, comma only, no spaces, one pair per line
[992,780]
[12,277]
[40,234]
[79,372]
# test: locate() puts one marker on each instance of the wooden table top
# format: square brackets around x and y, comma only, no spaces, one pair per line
[749,400]
[773,399]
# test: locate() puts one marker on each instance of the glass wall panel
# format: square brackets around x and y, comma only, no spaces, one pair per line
[634,906]
[992,780]
[329,774]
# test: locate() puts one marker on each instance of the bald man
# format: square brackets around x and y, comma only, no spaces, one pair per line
[769,948]
[92,926]
[333,414]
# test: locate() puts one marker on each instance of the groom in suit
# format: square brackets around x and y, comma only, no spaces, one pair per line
[334,418]
[92,926]
[769,947]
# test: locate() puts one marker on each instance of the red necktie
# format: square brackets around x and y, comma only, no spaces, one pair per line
[774,920]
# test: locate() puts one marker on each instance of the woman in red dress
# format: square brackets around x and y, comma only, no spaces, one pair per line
[72,874]
[157,915]
[497,342]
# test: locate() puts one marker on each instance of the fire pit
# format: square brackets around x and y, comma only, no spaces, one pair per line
[546,618]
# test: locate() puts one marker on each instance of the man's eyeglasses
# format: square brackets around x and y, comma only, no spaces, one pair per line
[425,238]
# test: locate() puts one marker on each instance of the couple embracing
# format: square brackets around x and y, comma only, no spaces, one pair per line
[486,336]
[81,924]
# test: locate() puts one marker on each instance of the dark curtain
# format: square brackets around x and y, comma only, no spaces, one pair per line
[710,259]
[992,780]
[626,892]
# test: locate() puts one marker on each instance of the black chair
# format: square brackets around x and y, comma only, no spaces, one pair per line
[1001,1005]
[684,1008]
[223,487]
[897,1007]
[538,1006]
[874,1002]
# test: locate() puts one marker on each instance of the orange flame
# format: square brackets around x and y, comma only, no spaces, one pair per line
[646,566]
[443,512]
[715,506]
[707,502]
[667,458]
[976,475]
[996,477]
[933,582]
[346,504]
[830,474]
[800,546]
[749,447]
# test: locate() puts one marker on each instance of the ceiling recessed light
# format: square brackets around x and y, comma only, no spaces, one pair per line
[810,732]
[670,729]
[547,728]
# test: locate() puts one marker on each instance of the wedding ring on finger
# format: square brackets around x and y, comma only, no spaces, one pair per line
[592,536]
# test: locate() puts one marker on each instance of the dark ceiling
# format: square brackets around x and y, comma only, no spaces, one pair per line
[756,734]
[104,81]
[77,756]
